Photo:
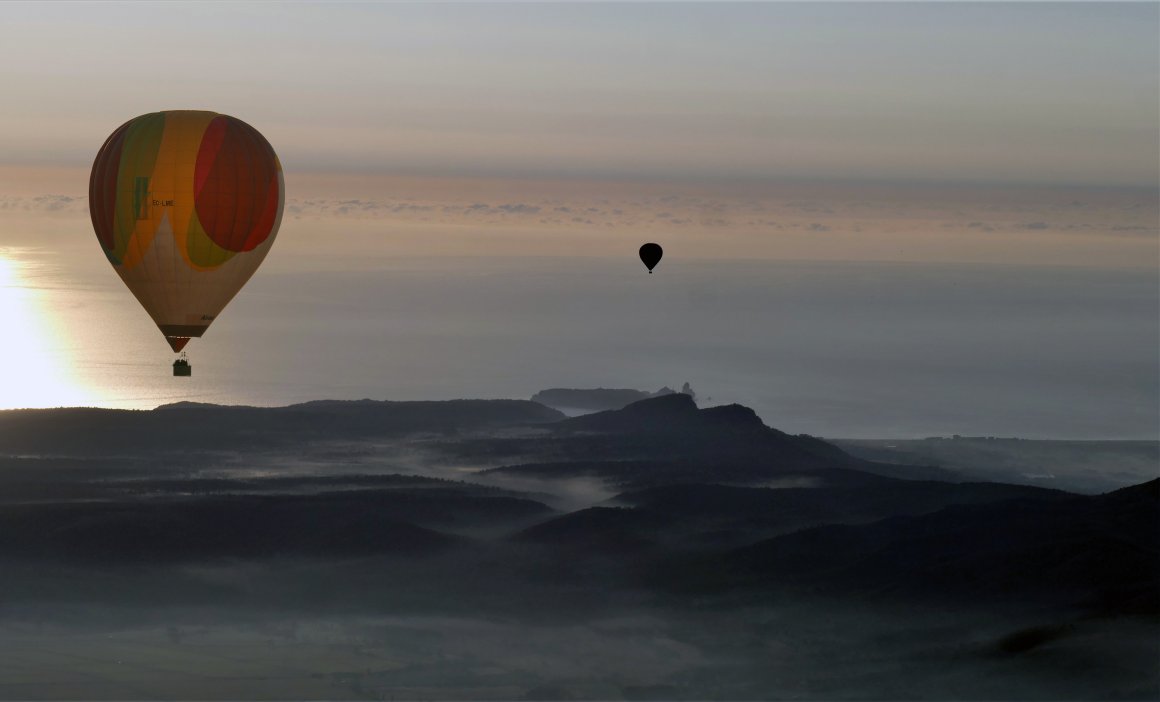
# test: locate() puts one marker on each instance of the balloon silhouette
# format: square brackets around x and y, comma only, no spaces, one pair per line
[650,255]
[185,205]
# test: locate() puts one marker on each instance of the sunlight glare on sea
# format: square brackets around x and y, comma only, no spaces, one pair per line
[34,367]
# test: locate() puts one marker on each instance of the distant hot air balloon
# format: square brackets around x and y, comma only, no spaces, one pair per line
[185,204]
[651,254]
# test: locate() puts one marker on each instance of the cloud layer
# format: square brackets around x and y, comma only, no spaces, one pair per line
[490,217]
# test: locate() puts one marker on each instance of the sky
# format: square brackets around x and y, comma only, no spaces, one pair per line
[995,134]
[979,92]
[988,132]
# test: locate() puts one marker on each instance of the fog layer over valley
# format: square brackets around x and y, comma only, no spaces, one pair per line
[500,550]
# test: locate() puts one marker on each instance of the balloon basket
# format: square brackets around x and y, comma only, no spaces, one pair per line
[181,367]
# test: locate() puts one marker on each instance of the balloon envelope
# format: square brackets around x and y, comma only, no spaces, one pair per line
[650,255]
[185,205]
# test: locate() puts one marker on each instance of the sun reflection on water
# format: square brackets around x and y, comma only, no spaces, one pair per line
[34,369]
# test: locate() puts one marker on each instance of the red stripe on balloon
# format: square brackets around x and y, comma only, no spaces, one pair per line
[266,195]
[211,144]
[103,188]
[265,223]
[233,200]
[245,195]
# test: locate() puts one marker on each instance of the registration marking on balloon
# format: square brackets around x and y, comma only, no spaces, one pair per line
[185,205]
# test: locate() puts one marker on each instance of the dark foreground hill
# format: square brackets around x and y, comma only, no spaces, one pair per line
[1089,467]
[1101,552]
[427,549]
[195,426]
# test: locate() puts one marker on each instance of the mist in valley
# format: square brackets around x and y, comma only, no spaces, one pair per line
[498,550]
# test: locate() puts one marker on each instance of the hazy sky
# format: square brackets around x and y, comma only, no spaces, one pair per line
[770,130]
[988,92]
[920,133]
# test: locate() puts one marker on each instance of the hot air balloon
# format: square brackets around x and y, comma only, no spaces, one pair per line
[650,255]
[185,205]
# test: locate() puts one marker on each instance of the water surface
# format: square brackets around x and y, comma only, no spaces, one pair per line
[832,349]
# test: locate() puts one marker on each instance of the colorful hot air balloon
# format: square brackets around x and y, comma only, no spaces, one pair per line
[185,204]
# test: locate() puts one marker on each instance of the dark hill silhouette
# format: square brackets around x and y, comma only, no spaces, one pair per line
[731,553]
[673,427]
[600,531]
[1101,551]
[244,527]
[663,413]
[401,520]
[1084,466]
[680,443]
[191,426]
[693,481]
[411,485]
[790,507]
[1134,494]
[703,517]
[593,399]
[759,472]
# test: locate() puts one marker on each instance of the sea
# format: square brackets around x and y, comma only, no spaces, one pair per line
[832,349]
